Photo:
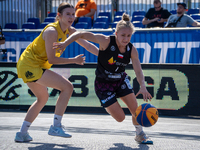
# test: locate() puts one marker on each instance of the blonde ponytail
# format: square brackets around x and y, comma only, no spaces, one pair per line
[125,23]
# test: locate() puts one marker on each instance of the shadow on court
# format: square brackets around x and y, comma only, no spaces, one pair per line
[99,132]
[123,147]
[48,146]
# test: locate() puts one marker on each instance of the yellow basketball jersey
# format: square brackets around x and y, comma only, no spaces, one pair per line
[35,54]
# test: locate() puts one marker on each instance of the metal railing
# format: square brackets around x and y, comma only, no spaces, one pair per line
[18,11]
[129,5]
[102,5]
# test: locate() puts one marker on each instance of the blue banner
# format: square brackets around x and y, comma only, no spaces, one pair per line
[168,46]
[153,45]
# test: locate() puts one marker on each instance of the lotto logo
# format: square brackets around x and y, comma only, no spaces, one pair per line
[163,49]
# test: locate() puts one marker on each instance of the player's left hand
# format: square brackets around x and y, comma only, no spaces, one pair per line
[146,95]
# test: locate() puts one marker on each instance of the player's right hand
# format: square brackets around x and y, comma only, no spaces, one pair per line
[80,59]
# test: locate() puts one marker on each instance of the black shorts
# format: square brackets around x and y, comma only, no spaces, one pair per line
[108,92]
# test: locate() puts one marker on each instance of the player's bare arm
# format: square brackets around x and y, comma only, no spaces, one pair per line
[50,36]
[96,38]
[139,74]
[87,45]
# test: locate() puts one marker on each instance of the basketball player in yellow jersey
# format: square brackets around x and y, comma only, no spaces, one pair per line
[33,67]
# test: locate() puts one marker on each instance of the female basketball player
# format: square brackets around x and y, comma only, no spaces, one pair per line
[33,67]
[111,80]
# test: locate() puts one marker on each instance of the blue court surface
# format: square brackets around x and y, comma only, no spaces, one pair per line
[99,132]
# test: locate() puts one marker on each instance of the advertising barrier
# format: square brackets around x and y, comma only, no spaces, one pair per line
[174,88]
[173,46]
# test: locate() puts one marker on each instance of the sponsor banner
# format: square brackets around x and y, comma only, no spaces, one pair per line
[173,87]
[154,46]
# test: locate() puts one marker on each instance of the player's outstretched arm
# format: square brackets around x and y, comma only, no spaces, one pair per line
[96,38]
[139,74]
[88,46]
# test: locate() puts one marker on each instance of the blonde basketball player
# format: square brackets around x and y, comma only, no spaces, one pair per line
[111,80]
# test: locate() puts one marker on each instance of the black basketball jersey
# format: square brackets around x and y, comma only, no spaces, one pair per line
[111,62]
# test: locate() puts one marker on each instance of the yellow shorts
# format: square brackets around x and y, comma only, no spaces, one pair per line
[28,73]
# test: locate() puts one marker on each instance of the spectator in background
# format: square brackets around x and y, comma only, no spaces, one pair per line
[2,39]
[85,8]
[180,19]
[155,17]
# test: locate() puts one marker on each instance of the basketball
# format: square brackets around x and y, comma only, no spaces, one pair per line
[146,115]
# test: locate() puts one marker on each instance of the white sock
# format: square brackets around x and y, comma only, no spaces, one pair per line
[138,129]
[25,126]
[57,120]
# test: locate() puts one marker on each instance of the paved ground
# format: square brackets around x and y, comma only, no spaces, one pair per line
[99,132]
